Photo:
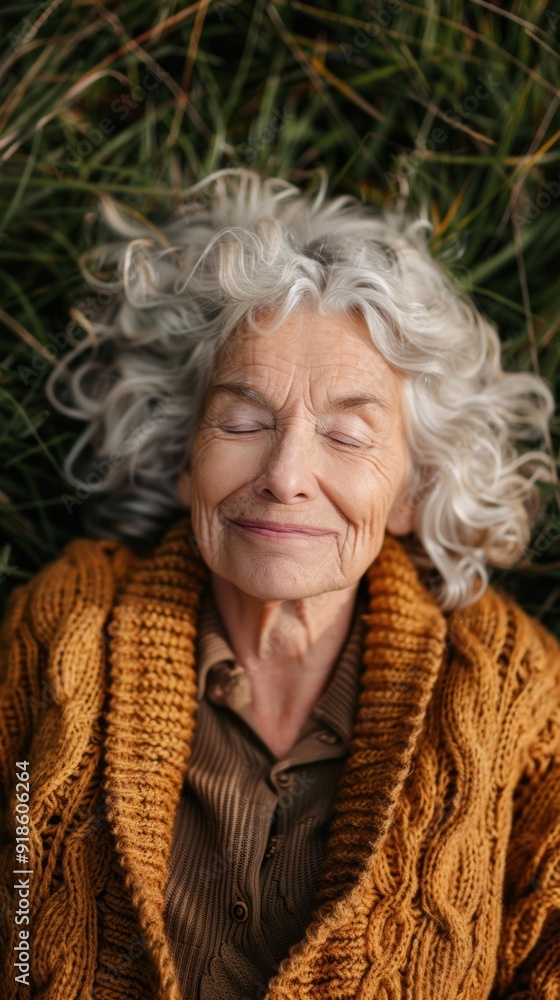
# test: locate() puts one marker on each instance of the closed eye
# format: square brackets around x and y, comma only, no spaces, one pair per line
[254,430]
[249,430]
[349,444]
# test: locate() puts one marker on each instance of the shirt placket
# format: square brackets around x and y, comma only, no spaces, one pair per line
[246,890]
[228,686]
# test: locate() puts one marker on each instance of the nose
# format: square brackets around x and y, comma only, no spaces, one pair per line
[287,474]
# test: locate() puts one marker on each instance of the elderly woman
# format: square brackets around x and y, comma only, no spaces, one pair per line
[266,730]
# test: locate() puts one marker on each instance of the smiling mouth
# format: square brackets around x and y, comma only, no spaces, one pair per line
[272,530]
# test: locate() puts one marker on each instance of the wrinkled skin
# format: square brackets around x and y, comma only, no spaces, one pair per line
[296,459]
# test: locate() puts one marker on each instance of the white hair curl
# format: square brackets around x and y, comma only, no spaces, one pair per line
[257,243]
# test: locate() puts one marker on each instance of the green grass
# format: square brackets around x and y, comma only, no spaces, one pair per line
[450,105]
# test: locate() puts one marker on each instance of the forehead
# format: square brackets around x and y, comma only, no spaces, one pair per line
[308,341]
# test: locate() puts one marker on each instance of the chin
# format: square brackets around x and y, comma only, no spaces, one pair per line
[276,586]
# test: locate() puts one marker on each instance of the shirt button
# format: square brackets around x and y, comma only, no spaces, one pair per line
[327,737]
[272,847]
[285,778]
[239,911]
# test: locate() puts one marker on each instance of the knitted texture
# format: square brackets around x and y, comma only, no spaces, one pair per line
[441,873]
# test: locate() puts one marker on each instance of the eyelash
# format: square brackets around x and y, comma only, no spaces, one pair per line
[255,430]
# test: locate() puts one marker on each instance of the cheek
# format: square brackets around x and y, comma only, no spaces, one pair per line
[365,489]
[219,468]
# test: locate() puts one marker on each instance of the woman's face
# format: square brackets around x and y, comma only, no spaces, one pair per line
[277,442]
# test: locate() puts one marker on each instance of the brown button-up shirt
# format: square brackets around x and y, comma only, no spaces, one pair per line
[250,829]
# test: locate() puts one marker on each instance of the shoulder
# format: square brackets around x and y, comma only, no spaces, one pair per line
[499,622]
[83,577]
[52,635]
[515,647]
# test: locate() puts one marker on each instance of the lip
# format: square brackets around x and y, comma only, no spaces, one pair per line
[273,528]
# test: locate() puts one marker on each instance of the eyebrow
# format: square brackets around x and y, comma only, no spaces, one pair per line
[349,401]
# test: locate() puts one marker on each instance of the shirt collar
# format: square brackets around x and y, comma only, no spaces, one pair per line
[213,647]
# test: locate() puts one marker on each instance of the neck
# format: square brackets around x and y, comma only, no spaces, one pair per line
[288,647]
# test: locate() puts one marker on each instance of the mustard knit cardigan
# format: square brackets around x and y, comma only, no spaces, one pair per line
[441,876]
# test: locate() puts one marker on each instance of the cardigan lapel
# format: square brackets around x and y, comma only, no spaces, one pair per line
[151,721]
[150,724]
[404,648]
[404,652]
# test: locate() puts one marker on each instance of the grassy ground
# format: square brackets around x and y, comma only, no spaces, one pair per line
[450,105]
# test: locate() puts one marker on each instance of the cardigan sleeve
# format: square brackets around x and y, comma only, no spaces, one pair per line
[528,961]
[50,709]
[36,682]
[20,680]
[22,662]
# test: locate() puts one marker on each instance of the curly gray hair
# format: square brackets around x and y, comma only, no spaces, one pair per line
[257,243]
